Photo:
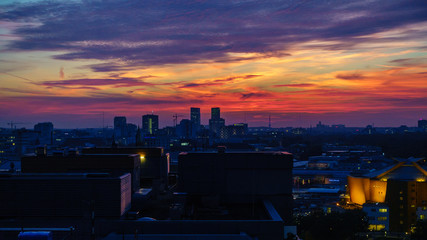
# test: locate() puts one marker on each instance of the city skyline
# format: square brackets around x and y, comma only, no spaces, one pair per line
[108,121]
[80,63]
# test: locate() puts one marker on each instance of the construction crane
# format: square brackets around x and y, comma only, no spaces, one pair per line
[175,119]
[13,124]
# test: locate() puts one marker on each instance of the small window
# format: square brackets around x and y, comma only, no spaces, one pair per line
[422,217]
[381,218]
[383,210]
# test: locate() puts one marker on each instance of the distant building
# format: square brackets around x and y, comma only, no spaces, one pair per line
[120,130]
[45,131]
[215,113]
[422,123]
[184,129]
[195,121]
[235,130]
[216,122]
[150,124]
[120,126]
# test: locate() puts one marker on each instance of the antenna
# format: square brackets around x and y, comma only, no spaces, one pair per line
[13,124]
[269,120]
[175,119]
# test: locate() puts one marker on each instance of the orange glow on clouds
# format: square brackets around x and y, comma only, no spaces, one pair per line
[314,76]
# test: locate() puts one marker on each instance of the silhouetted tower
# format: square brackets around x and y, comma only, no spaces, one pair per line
[138,141]
[150,124]
[120,126]
[195,121]
[45,131]
[216,122]
[215,113]
[422,124]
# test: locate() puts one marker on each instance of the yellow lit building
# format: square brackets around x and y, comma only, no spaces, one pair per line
[402,187]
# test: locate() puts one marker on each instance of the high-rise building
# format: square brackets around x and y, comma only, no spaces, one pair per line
[216,122]
[215,113]
[184,129]
[422,123]
[45,131]
[150,123]
[195,121]
[120,126]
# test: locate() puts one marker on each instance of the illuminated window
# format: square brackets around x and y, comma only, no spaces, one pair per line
[382,210]
[412,205]
[382,218]
[375,227]
[422,217]
[401,222]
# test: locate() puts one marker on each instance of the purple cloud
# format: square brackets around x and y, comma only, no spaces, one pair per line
[248,95]
[146,33]
[296,85]
[115,82]
[218,82]
[353,76]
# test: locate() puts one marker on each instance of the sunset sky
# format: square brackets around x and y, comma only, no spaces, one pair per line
[339,62]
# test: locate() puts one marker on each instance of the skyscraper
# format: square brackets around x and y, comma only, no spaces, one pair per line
[119,126]
[195,121]
[216,122]
[45,131]
[215,113]
[150,124]
[422,123]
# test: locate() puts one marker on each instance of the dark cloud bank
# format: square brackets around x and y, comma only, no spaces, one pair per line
[130,34]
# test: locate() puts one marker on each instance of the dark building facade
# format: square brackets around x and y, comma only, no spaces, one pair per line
[422,123]
[154,163]
[120,126]
[195,121]
[235,130]
[150,124]
[239,178]
[216,122]
[87,163]
[64,195]
[45,131]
